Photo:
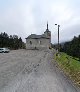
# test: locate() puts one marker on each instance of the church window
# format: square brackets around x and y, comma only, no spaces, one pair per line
[30,42]
[39,42]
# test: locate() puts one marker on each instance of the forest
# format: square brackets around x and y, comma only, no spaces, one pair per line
[11,41]
[72,47]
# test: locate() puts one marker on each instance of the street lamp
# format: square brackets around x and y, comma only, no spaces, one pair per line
[58,36]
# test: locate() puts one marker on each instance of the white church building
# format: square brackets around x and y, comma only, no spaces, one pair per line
[43,41]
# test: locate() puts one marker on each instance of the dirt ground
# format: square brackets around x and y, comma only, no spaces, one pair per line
[32,71]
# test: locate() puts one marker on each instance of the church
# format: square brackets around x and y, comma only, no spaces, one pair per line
[43,41]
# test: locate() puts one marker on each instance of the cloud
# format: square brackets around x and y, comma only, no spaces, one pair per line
[23,17]
[18,20]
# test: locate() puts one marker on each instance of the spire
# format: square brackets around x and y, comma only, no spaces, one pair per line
[47,30]
[47,25]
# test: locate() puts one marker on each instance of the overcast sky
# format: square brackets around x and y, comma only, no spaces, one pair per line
[25,17]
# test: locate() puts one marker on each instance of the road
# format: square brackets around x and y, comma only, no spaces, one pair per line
[32,71]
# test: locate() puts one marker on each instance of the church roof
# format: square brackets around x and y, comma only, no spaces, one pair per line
[34,36]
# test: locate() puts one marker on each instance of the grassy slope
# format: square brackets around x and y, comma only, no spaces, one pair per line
[70,66]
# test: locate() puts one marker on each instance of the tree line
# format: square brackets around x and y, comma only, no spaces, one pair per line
[11,41]
[72,47]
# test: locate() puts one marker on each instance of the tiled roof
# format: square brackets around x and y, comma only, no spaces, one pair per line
[34,36]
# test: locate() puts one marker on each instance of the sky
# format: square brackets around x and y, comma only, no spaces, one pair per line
[25,17]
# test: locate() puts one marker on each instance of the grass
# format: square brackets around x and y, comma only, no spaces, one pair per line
[70,66]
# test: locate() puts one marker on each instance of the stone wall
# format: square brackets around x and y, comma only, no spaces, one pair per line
[38,43]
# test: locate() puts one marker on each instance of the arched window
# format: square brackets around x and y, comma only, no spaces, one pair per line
[30,42]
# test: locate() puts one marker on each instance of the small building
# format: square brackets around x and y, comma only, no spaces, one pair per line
[43,41]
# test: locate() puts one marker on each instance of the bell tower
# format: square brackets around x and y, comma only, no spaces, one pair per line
[47,32]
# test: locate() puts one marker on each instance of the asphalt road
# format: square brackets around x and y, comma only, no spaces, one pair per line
[32,71]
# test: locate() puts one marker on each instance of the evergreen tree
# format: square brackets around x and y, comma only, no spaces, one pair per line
[12,42]
[72,47]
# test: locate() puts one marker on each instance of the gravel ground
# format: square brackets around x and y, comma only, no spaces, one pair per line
[32,71]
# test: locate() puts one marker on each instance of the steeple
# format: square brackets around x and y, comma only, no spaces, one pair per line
[47,25]
[47,33]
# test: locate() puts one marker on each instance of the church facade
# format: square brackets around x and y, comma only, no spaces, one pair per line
[43,41]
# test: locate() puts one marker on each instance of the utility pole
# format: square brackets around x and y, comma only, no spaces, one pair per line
[58,37]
